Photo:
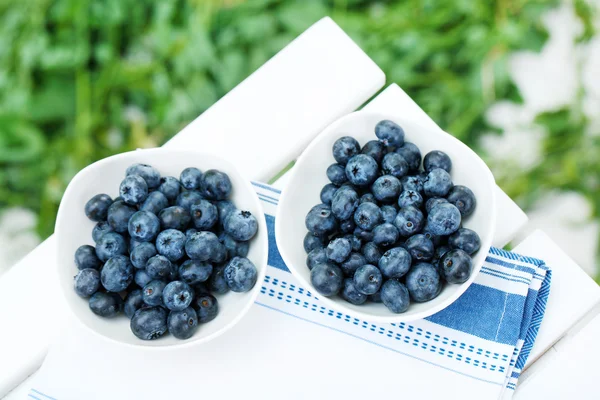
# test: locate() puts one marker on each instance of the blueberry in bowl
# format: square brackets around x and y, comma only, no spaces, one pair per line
[408,229]
[124,267]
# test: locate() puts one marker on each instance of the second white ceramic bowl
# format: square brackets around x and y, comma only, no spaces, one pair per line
[74,229]
[308,177]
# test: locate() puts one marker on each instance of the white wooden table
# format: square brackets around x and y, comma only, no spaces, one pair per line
[262,126]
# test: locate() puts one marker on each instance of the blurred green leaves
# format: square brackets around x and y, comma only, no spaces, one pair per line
[83,79]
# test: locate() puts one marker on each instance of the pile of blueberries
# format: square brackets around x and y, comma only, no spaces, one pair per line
[163,248]
[388,231]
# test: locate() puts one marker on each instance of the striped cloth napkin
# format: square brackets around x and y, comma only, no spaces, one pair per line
[476,348]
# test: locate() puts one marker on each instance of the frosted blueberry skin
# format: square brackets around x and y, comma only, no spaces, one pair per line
[361,170]
[345,148]
[327,279]
[395,296]
[423,282]
[463,198]
[465,239]
[389,133]
[437,159]
[149,323]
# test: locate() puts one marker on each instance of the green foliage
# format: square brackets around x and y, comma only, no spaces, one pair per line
[83,79]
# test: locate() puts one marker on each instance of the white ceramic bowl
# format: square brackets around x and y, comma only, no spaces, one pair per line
[308,177]
[74,229]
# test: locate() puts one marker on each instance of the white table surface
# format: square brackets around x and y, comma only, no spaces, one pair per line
[284,105]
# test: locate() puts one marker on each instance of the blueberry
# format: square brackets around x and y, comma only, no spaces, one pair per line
[241,225]
[344,149]
[466,240]
[410,198]
[355,242]
[235,248]
[438,183]
[375,149]
[367,216]
[344,203]
[395,297]
[106,305]
[155,203]
[215,185]
[85,257]
[367,198]
[336,174]
[140,255]
[186,199]
[207,307]
[327,279]
[150,175]
[183,324]
[463,198]
[118,216]
[217,282]
[177,295]
[363,235]
[109,245]
[175,217]
[169,187]
[133,302]
[419,247]
[240,274]
[170,243]
[143,226]
[414,182]
[202,245]
[437,159]
[221,254]
[133,189]
[312,242]
[375,297]
[386,188]
[117,274]
[388,213]
[87,282]
[133,243]
[444,219]
[409,221]
[394,164]
[204,214]
[159,267]
[361,170]
[423,282]
[320,220]
[432,202]
[338,250]
[389,133]
[152,292]
[456,266]
[352,263]
[142,278]
[435,239]
[395,263]
[190,232]
[371,252]
[411,153]
[368,279]
[385,234]
[100,229]
[350,294]
[439,252]
[327,193]
[193,271]
[191,178]
[316,256]
[149,323]
[96,208]
[224,208]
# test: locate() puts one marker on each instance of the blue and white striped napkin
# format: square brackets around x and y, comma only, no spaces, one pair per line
[479,344]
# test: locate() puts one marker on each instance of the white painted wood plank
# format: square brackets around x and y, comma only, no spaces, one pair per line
[572,293]
[281,107]
[572,373]
[261,126]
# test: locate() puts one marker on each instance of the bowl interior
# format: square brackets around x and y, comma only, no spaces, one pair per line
[74,229]
[308,177]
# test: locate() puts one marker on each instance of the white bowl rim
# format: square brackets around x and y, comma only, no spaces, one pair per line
[392,318]
[262,269]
